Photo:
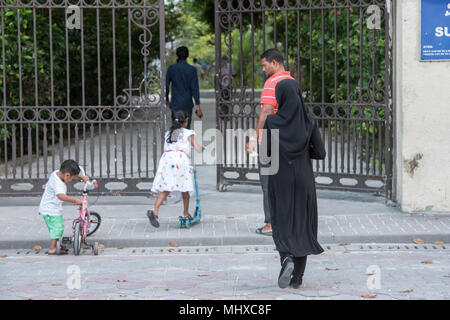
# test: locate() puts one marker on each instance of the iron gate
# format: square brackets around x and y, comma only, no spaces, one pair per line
[81,82]
[340,52]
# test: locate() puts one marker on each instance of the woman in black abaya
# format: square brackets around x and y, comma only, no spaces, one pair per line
[292,189]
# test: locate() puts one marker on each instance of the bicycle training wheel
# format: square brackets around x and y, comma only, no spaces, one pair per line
[95,248]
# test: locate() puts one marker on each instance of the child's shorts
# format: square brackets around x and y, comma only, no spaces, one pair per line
[55,225]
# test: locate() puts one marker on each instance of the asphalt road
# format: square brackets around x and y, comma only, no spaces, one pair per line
[383,271]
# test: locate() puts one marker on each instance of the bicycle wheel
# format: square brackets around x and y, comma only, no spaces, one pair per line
[96,220]
[77,239]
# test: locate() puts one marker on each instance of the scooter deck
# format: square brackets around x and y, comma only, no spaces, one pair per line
[186,222]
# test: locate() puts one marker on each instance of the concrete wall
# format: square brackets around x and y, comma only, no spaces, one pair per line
[422,118]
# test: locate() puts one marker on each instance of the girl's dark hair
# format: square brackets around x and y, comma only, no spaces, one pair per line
[178,118]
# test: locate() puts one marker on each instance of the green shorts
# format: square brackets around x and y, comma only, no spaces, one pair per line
[55,225]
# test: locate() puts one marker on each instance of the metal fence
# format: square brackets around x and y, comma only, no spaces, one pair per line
[81,82]
[340,52]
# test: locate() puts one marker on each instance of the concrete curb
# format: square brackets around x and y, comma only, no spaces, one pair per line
[232,240]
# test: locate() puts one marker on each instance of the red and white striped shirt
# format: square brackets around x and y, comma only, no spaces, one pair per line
[268,93]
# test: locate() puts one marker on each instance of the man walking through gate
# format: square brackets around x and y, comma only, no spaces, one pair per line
[273,67]
[185,86]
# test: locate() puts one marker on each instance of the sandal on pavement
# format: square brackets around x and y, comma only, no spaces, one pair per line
[259,231]
[189,216]
[153,218]
[61,253]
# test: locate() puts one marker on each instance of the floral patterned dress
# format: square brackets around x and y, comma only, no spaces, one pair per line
[175,173]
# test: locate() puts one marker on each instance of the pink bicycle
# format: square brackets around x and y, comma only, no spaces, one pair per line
[84,225]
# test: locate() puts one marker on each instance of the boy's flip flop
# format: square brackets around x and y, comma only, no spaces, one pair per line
[153,218]
[61,253]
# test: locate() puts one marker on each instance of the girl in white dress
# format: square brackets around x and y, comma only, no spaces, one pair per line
[175,174]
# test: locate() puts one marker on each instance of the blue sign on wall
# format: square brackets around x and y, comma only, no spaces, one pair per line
[435,26]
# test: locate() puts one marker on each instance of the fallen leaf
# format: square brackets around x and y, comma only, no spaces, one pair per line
[3,256]
[368,296]
[27,299]
[174,244]
[134,251]
[121,280]
[343,244]
[37,248]
[120,247]
[337,282]
[56,284]
[101,246]
[123,295]
[370,274]
[438,243]
[447,276]
[166,289]
[407,291]
[418,241]
[427,261]
[202,275]
[331,269]
[230,217]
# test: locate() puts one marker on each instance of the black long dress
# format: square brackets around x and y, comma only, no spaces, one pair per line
[292,190]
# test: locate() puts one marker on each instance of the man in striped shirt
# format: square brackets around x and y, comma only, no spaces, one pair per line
[273,66]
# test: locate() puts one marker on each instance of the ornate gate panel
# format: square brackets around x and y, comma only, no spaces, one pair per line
[81,80]
[340,52]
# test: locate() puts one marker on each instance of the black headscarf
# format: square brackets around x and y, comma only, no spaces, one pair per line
[293,121]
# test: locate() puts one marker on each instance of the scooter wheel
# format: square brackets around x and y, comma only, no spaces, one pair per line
[95,248]
[188,224]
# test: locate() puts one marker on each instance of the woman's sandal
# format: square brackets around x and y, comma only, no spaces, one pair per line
[267,233]
[153,218]
[189,216]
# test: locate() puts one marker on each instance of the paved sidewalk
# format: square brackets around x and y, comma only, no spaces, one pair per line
[230,218]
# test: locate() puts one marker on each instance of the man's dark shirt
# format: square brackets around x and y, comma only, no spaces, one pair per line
[184,86]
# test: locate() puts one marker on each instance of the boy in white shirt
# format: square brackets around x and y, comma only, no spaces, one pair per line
[54,195]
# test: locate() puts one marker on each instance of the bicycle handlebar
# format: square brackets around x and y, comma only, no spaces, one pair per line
[90,185]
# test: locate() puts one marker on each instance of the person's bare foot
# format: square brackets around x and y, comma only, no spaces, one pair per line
[267,228]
